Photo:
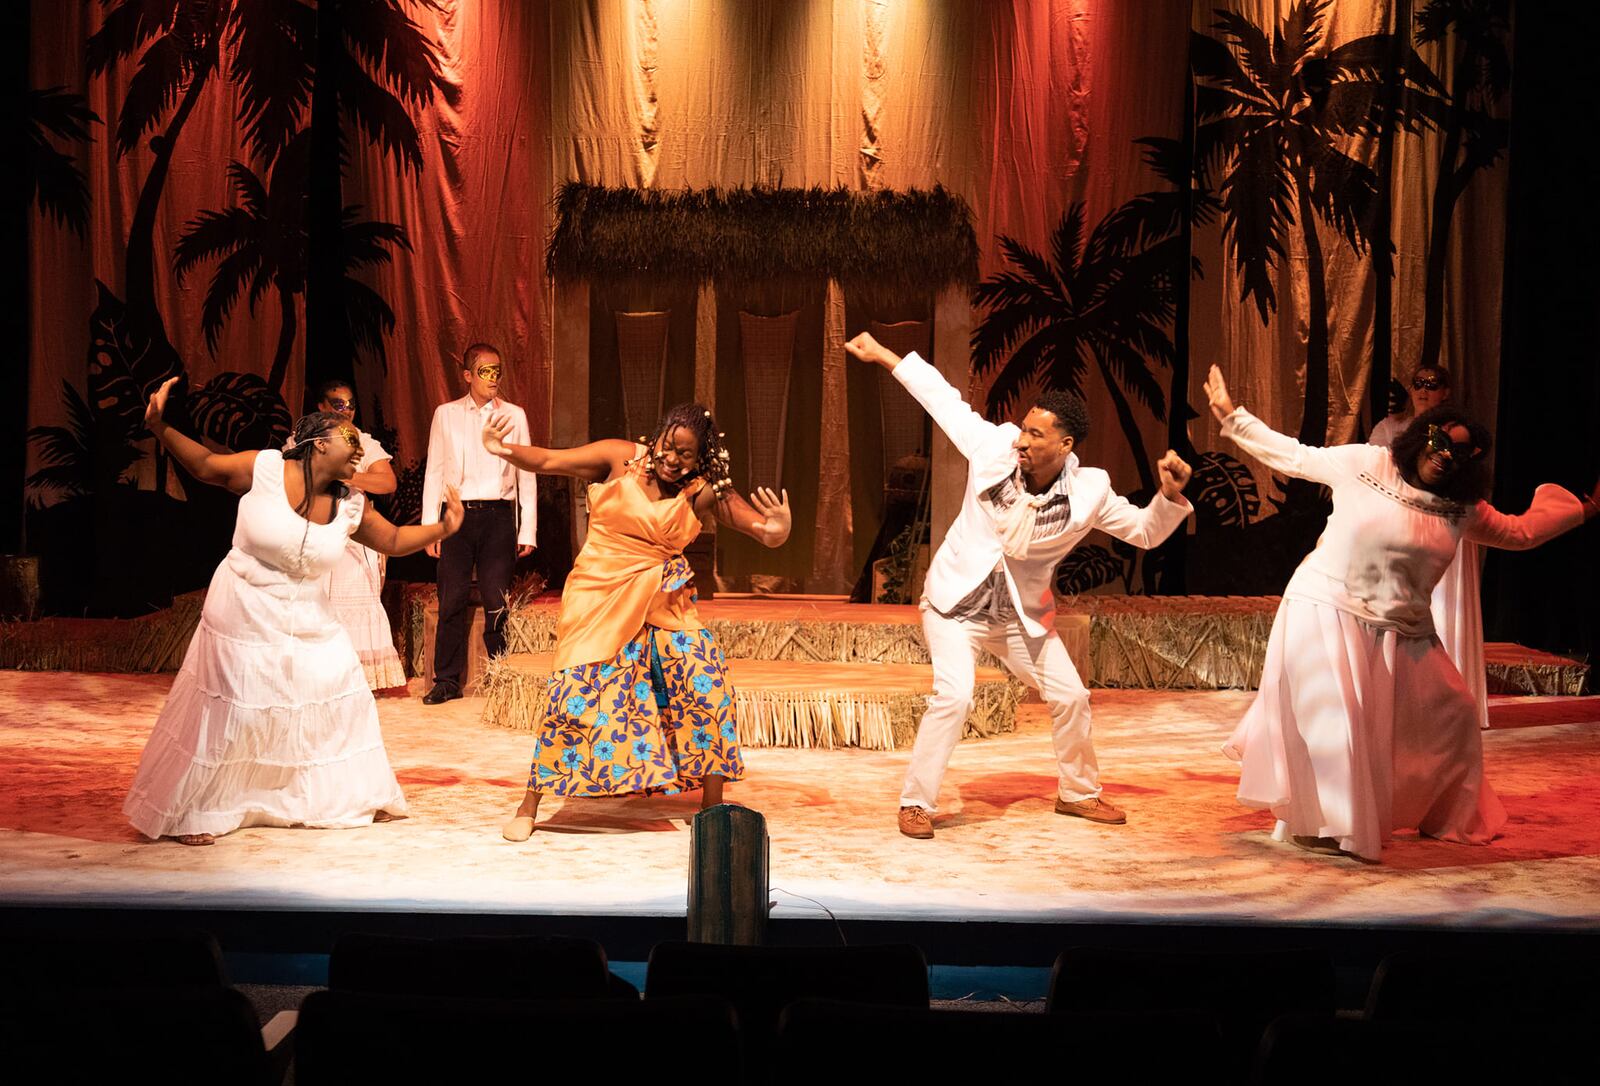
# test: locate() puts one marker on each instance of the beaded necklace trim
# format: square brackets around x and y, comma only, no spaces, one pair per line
[1441,508]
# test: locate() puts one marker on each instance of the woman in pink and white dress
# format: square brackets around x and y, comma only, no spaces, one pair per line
[1362,725]
[1457,599]
[355,585]
[270,721]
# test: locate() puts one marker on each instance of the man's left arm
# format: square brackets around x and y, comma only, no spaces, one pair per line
[1150,526]
[527,494]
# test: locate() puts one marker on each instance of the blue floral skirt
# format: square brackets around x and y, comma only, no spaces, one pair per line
[658,717]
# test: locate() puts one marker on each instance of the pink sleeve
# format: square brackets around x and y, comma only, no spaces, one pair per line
[1554,510]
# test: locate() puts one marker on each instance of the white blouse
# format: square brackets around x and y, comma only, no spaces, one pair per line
[1387,543]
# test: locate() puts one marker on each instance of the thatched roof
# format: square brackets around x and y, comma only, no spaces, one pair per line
[917,239]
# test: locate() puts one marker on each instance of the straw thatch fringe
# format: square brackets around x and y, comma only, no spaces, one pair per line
[153,642]
[516,696]
[533,629]
[913,239]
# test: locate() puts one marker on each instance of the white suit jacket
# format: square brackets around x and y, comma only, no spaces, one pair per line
[971,549]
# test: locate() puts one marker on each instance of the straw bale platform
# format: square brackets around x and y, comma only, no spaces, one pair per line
[782,703]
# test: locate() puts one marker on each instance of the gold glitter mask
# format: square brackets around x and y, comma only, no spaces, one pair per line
[489,372]
[351,437]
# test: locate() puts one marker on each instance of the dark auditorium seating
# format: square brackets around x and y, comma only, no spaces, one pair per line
[1415,986]
[175,959]
[760,981]
[167,1034]
[1242,991]
[828,1040]
[1307,1049]
[474,967]
[352,1037]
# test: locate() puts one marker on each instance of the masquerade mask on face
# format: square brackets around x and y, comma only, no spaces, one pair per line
[1429,382]
[1441,443]
[339,403]
[351,438]
[489,371]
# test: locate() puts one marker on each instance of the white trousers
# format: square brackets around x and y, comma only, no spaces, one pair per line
[1041,662]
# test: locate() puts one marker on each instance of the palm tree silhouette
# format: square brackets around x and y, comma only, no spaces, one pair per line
[1272,112]
[1107,298]
[1473,136]
[53,178]
[269,48]
[261,244]
[1163,221]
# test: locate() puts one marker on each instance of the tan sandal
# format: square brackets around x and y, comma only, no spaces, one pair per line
[385,816]
[519,828]
[194,838]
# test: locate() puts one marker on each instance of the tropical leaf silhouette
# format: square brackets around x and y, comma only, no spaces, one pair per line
[1087,568]
[240,411]
[126,363]
[1223,491]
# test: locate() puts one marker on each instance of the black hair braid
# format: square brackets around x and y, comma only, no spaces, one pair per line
[302,440]
[712,464]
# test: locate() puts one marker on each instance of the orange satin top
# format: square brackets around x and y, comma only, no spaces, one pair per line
[618,583]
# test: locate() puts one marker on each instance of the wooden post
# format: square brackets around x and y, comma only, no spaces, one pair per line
[728,854]
[952,356]
[569,386]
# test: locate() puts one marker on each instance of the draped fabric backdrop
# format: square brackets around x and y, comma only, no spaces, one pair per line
[1070,127]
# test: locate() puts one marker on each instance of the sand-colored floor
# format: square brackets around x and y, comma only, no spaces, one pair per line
[69,743]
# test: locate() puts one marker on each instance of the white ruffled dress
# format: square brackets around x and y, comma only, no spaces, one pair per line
[1362,725]
[355,589]
[270,721]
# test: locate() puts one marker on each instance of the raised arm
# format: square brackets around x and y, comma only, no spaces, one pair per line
[376,531]
[1150,526]
[1280,451]
[966,429]
[231,470]
[594,462]
[764,518]
[1554,510]
[375,479]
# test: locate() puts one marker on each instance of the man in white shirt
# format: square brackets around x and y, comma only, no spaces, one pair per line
[1027,504]
[499,524]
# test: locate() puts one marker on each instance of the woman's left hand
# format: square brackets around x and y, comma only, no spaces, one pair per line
[775,512]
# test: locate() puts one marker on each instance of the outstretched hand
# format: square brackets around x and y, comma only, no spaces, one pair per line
[454,512]
[868,349]
[157,404]
[775,513]
[494,434]
[1216,390]
[1175,473]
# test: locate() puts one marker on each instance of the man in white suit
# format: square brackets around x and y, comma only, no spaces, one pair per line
[1027,504]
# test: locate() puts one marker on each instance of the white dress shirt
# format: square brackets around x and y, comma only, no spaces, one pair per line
[456,457]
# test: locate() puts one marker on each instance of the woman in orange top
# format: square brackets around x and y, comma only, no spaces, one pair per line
[639,697]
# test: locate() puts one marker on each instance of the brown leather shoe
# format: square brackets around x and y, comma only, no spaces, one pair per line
[1094,809]
[916,822]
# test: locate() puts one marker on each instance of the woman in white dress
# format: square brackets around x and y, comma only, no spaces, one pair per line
[355,585]
[270,721]
[1457,599]
[1362,725]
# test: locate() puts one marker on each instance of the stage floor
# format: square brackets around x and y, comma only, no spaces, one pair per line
[69,743]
